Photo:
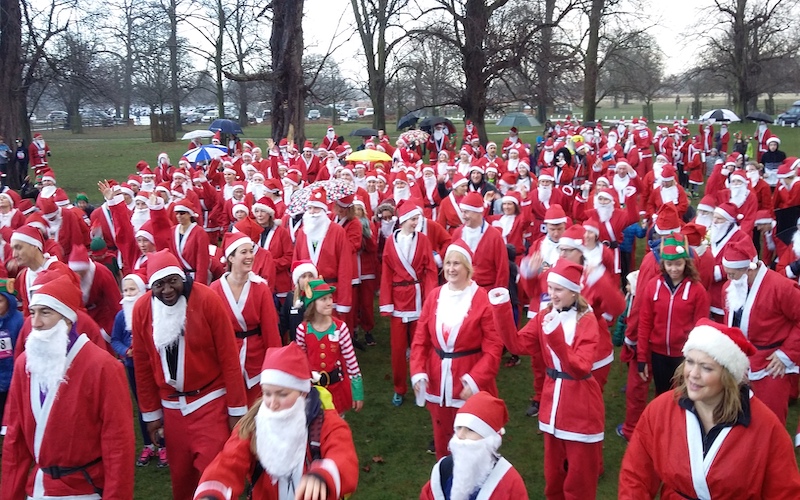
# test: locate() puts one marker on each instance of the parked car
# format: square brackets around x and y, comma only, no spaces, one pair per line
[192,117]
[791,116]
[313,114]
[210,116]
[352,114]
[369,111]
[57,116]
[96,118]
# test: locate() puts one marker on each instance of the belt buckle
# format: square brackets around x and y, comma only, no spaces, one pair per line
[324,379]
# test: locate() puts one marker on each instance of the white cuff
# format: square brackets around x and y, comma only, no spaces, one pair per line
[789,273]
[116,200]
[389,308]
[237,411]
[499,296]
[549,327]
[343,309]
[632,173]
[630,342]
[607,317]
[437,259]
[467,380]
[152,416]
[417,377]
[213,487]
[717,273]
[785,359]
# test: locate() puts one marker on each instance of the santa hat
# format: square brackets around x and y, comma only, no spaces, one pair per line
[774,139]
[789,167]
[406,210]
[523,164]
[667,220]
[346,201]
[59,295]
[36,221]
[484,414]
[623,162]
[490,143]
[239,207]
[30,235]
[37,135]
[592,224]
[136,278]
[301,267]
[293,178]
[726,344]
[286,367]
[668,172]
[144,169]
[307,146]
[460,246]
[318,198]
[606,193]
[729,211]
[79,258]
[511,197]
[548,145]
[547,174]
[508,179]
[513,130]
[146,232]
[459,180]
[740,254]
[472,202]
[265,204]
[476,167]
[184,206]
[555,215]
[739,174]
[134,180]
[573,238]
[673,247]
[232,241]
[764,217]
[162,264]
[567,274]
[7,196]
[694,233]
[48,175]
[228,170]
[47,206]
[707,203]
[126,189]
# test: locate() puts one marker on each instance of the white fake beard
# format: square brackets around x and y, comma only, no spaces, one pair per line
[148,186]
[139,217]
[54,225]
[127,310]
[544,192]
[736,294]
[738,195]
[754,176]
[473,461]
[315,226]
[281,439]
[387,227]
[704,220]
[612,141]
[258,190]
[438,135]
[718,230]
[401,194]
[548,157]
[604,211]
[796,243]
[331,135]
[594,257]
[669,195]
[168,322]
[512,164]
[47,355]
[39,144]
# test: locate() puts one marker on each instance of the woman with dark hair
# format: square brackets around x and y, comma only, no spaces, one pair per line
[735,445]
[189,242]
[671,305]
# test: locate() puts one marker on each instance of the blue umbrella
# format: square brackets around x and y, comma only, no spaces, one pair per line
[225,126]
[205,153]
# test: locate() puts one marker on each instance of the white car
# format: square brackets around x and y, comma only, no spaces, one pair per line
[369,112]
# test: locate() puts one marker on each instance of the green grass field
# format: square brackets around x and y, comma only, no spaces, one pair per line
[390,441]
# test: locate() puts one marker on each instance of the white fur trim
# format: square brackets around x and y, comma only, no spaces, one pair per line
[474,423]
[499,296]
[553,277]
[740,264]
[571,243]
[204,488]
[720,347]
[27,239]
[163,273]
[236,244]
[705,208]
[411,214]
[300,270]
[509,199]
[283,379]
[330,467]
[40,299]
[459,249]
[471,208]
[562,220]
[146,235]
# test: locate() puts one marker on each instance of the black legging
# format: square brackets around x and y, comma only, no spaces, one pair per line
[663,370]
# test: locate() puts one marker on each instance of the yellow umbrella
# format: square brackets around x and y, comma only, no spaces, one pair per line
[368,155]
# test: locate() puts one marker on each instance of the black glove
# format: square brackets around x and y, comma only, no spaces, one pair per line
[795,267]
[641,366]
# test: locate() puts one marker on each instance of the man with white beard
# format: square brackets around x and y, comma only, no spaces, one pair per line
[188,378]
[512,142]
[763,304]
[38,151]
[141,212]
[724,231]
[325,244]
[744,199]
[400,189]
[539,201]
[438,141]
[763,134]
[291,444]
[475,469]
[513,160]
[705,211]
[329,141]
[85,450]
[668,192]
[626,183]
[430,194]
[612,221]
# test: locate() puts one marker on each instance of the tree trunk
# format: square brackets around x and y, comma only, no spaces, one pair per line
[13,119]
[473,99]
[175,96]
[243,118]
[218,60]
[591,67]
[543,69]
[288,94]
[127,77]
[740,96]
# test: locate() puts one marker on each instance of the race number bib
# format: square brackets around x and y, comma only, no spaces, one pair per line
[6,346]
[21,155]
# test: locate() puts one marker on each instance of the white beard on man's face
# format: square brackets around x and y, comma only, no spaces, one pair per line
[46,352]
[612,141]
[282,439]
[544,192]
[168,322]
[736,294]
[401,194]
[718,230]
[473,461]
[738,195]
[703,220]
[127,310]
[438,134]
[315,226]
[139,217]
[548,157]
[604,212]
[669,194]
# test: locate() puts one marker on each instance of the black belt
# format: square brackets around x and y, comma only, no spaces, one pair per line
[405,283]
[196,392]
[455,355]
[248,333]
[331,377]
[57,472]
[555,374]
[613,245]
[768,346]
[331,280]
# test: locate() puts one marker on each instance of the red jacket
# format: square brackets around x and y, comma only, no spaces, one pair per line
[405,284]
[490,261]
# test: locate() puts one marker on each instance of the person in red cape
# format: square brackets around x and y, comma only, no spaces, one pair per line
[86,448]
[292,444]
[250,305]
[475,467]
[490,257]
[188,377]
[709,438]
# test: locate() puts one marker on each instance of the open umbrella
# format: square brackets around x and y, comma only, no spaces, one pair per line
[368,155]
[417,136]
[197,134]
[225,126]
[518,120]
[336,189]
[205,153]
[428,123]
[758,116]
[408,120]
[720,115]
[364,132]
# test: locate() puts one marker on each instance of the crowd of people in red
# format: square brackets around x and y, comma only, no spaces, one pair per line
[232,295]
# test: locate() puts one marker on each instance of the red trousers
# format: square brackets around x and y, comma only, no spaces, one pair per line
[443,418]
[364,308]
[192,443]
[774,392]
[571,468]
[635,399]
[401,334]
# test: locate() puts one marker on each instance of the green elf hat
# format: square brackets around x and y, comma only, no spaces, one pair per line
[81,197]
[316,289]
[7,286]
[673,247]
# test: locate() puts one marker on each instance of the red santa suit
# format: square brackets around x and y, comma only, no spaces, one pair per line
[191,248]
[724,138]
[503,482]
[68,232]
[784,197]
[490,261]
[453,352]
[512,228]
[196,395]
[101,295]
[276,239]
[438,237]
[91,428]
[255,324]
[450,216]
[537,208]
[611,231]
[762,136]
[332,260]
[38,151]
[745,461]
[84,324]
[720,278]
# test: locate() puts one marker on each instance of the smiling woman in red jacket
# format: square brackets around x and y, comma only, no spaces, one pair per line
[671,305]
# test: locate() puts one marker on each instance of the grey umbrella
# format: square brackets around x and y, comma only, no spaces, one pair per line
[518,120]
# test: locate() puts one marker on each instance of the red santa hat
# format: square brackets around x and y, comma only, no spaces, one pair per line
[729,211]
[460,246]
[146,231]
[607,193]
[60,296]
[508,179]
[265,204]
[764,217]
[318,198]
[459,180]
[346,201]
[707,203]
[511,197]
[228,170]
[134,180]
[472,202]
[238,207]
[184,206]
[125,188]
[694,233]
[668,172]
[49,175]
[143,168]
[547,174]
[30,235]
[232,241]
[238,185]
[573,238]
[789,167]
[667,220]
[491,143]
[555,215]
[774,139]
[406,210]
[592,224]
[301,267]
[198,176]
[62,200]
[79,258]
[484,414]
[37,135]
[567,274]
[476,167]
[548,145]
[740,254]
[36,221]
[293,178]
[623,162]
[47,206]
[726,344]
[162,264]
[138,280]
[513,130]
[287,367]
[740,175]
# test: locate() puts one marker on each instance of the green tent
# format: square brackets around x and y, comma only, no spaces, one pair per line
[518,120]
